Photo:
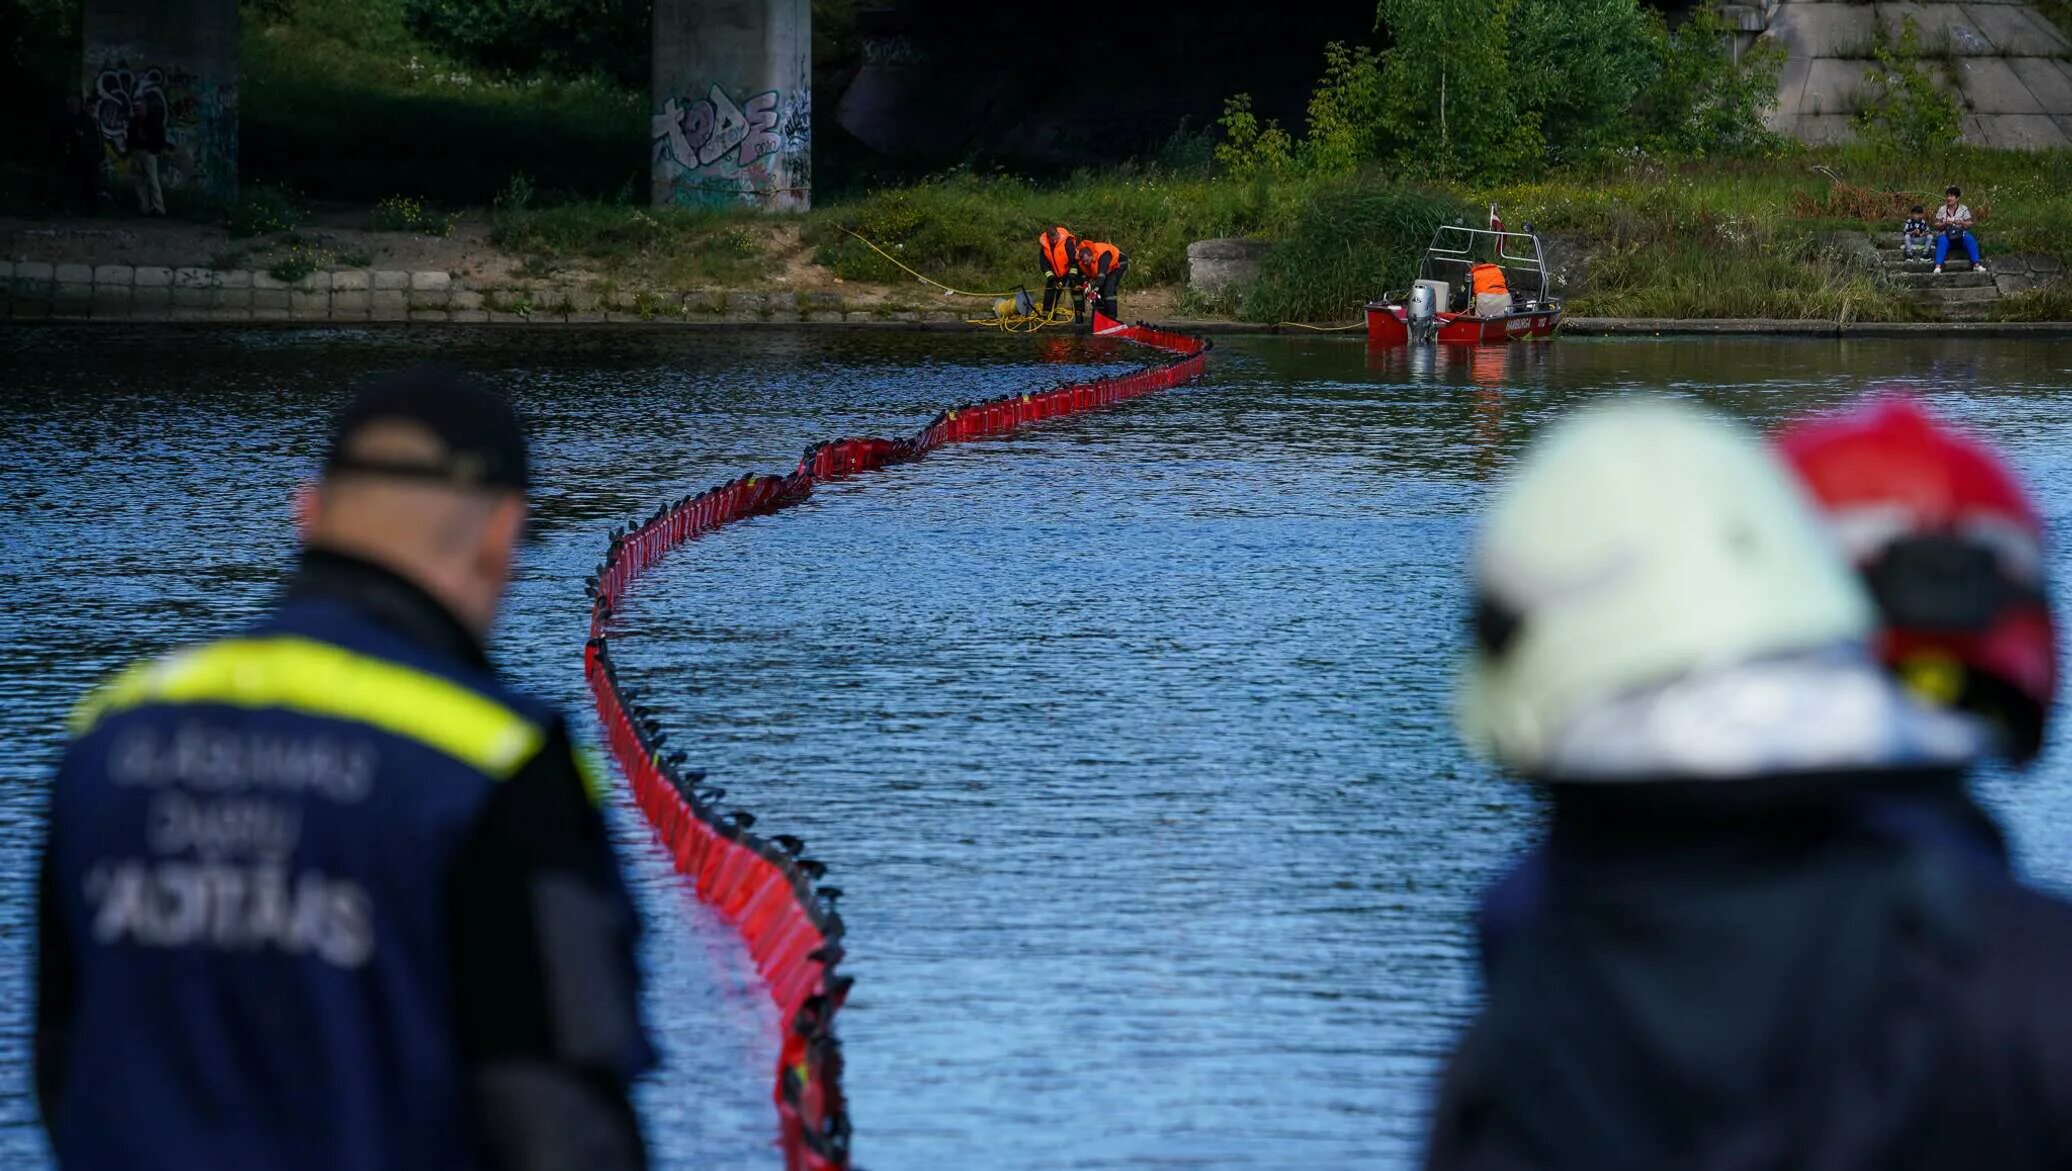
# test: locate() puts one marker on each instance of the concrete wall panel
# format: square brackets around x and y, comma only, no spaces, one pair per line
[1834,86]
[1942,26]
[1991,86]
[2022,132]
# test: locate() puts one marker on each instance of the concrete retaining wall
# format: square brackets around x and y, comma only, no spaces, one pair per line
[39,291]
[2005,62]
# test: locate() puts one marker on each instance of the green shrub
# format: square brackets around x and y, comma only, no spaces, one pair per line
[262,211]
[516,195]
[1248,148]
[400,213]
[1904,107]
[1351,242]
[1344,113]
[298,263]
[1189,150]
[1699,101]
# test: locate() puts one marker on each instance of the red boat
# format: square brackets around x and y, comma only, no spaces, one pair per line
[1474,286]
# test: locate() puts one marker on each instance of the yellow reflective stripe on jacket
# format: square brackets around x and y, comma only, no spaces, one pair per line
[592,773]
[319,679]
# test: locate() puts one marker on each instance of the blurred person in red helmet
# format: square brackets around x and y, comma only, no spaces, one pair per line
[1953,554]
[1764,925]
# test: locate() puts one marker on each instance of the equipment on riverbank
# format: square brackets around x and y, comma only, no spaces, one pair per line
[1019,314]
[1014,312]
[1482,285]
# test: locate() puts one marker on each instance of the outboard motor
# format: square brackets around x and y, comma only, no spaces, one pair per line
[1422,318]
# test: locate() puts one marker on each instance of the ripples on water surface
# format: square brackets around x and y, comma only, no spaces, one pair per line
[1126,737]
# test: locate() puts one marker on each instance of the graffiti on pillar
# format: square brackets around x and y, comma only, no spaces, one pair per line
[124,99]
[797,138]
[714,149]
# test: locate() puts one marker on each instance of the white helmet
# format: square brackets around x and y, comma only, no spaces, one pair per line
[1633,545]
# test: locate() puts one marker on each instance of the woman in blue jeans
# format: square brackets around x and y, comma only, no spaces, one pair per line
[1953,223]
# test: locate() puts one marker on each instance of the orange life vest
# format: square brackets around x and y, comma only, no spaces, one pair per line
[1488,278]
[1090,254]
[1057,246]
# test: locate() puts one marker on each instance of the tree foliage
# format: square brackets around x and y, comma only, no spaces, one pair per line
[1700,103]
[1248,149]
[1577,66]
[570,38]
[1447,102]
[1345,112]
[1478,89]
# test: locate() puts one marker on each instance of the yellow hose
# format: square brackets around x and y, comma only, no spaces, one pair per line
[947,291]
[1004,318]
[1322,328]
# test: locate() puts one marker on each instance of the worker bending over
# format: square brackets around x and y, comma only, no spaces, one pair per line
[1059,250]
[1101,266]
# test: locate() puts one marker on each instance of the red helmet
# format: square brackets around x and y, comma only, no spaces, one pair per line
[1953,552]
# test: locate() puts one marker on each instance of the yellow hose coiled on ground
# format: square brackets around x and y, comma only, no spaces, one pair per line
[1006,318]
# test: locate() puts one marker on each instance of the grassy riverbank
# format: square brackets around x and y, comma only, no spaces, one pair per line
[553,170]
[545,176]
[1753,238]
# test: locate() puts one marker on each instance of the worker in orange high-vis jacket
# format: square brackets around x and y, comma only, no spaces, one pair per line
[1102,266]
[1058,249]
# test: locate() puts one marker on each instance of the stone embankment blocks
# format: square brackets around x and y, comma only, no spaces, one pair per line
[35,290]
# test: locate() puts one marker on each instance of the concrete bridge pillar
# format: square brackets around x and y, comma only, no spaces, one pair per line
[175,59]
[732,105]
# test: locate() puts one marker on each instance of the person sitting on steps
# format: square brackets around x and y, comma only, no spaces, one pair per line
[1953,220]
[1914,235]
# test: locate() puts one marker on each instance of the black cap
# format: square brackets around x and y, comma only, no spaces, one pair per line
[483,439]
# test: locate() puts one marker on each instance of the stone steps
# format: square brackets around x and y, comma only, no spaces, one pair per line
[1975,295]
[1951,278]
[1960,293]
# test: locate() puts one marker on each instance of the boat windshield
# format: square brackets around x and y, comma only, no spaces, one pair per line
[1456,250]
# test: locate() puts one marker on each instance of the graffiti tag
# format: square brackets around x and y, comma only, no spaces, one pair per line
[124,97]
[710,129]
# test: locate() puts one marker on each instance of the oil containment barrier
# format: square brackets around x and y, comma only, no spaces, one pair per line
[766,886]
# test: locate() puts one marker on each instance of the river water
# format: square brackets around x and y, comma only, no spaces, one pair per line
[1126,737]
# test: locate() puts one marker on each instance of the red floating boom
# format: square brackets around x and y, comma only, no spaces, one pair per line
[765,887]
